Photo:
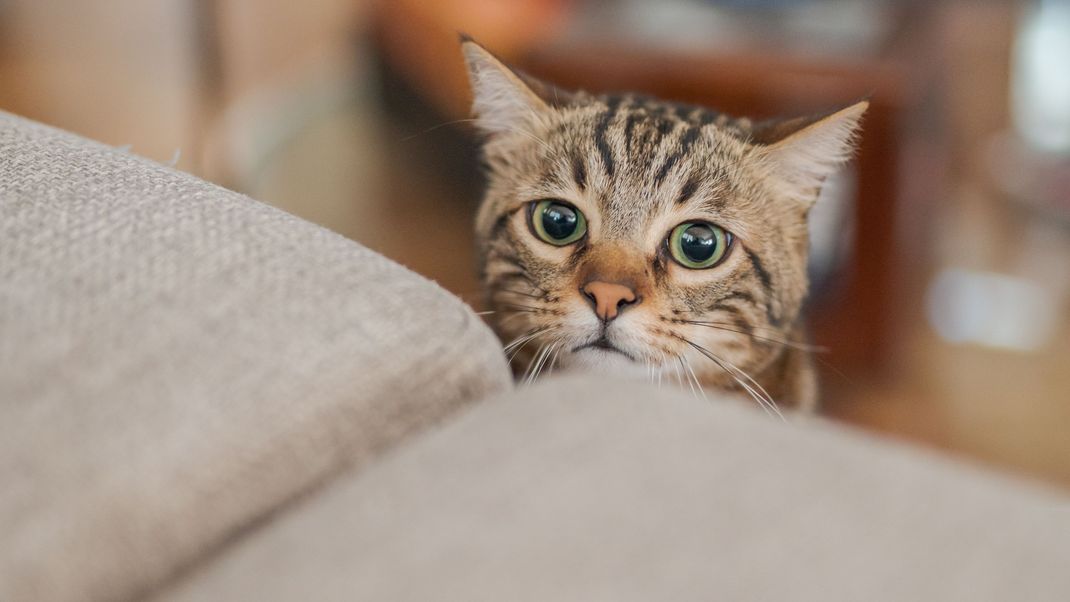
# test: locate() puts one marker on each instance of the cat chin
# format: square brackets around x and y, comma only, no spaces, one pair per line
[609,363]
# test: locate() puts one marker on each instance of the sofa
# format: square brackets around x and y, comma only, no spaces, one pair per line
[205,398]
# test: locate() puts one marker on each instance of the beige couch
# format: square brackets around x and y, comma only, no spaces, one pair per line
[204,398]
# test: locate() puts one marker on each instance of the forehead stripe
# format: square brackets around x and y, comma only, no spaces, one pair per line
[612,103]
[759,269]
[689,138]
[629,127]
[579,172]
[767,284]
[670,162]
[603,146]
[687,191]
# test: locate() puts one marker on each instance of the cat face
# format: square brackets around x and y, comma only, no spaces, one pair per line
[627,235]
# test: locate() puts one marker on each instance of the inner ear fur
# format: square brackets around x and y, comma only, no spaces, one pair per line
[505,98]
[801,153]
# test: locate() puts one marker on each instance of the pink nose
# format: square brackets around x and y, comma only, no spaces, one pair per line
[608,298]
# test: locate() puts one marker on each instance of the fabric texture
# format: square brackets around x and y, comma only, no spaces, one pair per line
[582,489]
[177,361]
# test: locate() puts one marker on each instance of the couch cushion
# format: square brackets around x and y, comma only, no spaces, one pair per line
[592,490]
[177,360]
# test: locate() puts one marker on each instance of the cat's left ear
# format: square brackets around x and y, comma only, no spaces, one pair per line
[503,100]
[801,153]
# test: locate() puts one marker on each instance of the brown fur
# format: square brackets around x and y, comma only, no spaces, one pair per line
[636,168]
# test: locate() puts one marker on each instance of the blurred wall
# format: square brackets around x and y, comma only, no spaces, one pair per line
[160,75]
[120,71]
[263,40]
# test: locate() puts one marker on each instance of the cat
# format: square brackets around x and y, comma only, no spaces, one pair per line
[627,235]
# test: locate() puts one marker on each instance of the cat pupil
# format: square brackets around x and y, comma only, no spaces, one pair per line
[559,221]
[698,243]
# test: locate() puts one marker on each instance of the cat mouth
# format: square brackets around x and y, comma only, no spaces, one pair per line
[603,344]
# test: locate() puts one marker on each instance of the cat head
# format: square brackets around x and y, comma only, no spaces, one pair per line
[630,235]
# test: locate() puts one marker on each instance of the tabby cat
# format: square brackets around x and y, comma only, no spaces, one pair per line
[632,236]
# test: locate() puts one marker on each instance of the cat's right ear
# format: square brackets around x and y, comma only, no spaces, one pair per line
[502,100]
[802,153]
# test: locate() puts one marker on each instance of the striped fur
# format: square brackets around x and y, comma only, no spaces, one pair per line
[637,167]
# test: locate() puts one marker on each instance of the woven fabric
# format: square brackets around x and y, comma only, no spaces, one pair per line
[590,490]
[177,360]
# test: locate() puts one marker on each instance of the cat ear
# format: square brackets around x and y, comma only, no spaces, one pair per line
[801,153]
[503,100]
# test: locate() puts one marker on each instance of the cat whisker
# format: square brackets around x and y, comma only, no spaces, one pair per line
[538,362]
[698,385]
[518,344]
[521,293]
[512,356]
[539,357]
[519,274]
[545,145]
[532,309]
[541,364]
[708,312]
[531,363]
[680,364]
[521,308]
[553,360]
[520,340]
[435,127]
[679,379]
[744,380]
[512,316]
[792,344]
[807,347]
[531,282]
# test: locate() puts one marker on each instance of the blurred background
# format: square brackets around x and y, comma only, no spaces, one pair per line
[941,262]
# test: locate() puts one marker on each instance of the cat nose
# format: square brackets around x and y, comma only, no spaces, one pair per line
[608,298]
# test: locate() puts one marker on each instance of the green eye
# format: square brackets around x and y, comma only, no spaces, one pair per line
[698,245]
[557,222]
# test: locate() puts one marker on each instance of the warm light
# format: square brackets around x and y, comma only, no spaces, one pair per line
[1041,87]
[990,309]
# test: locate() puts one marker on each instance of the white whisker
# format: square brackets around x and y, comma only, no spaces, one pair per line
[763,398]
[520,340]
[518,344]
[541,362]
[687,364]
[533,362]
[680,363]
[553,361]
[679,375]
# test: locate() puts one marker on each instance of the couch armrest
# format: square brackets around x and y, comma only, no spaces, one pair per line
[177,361]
